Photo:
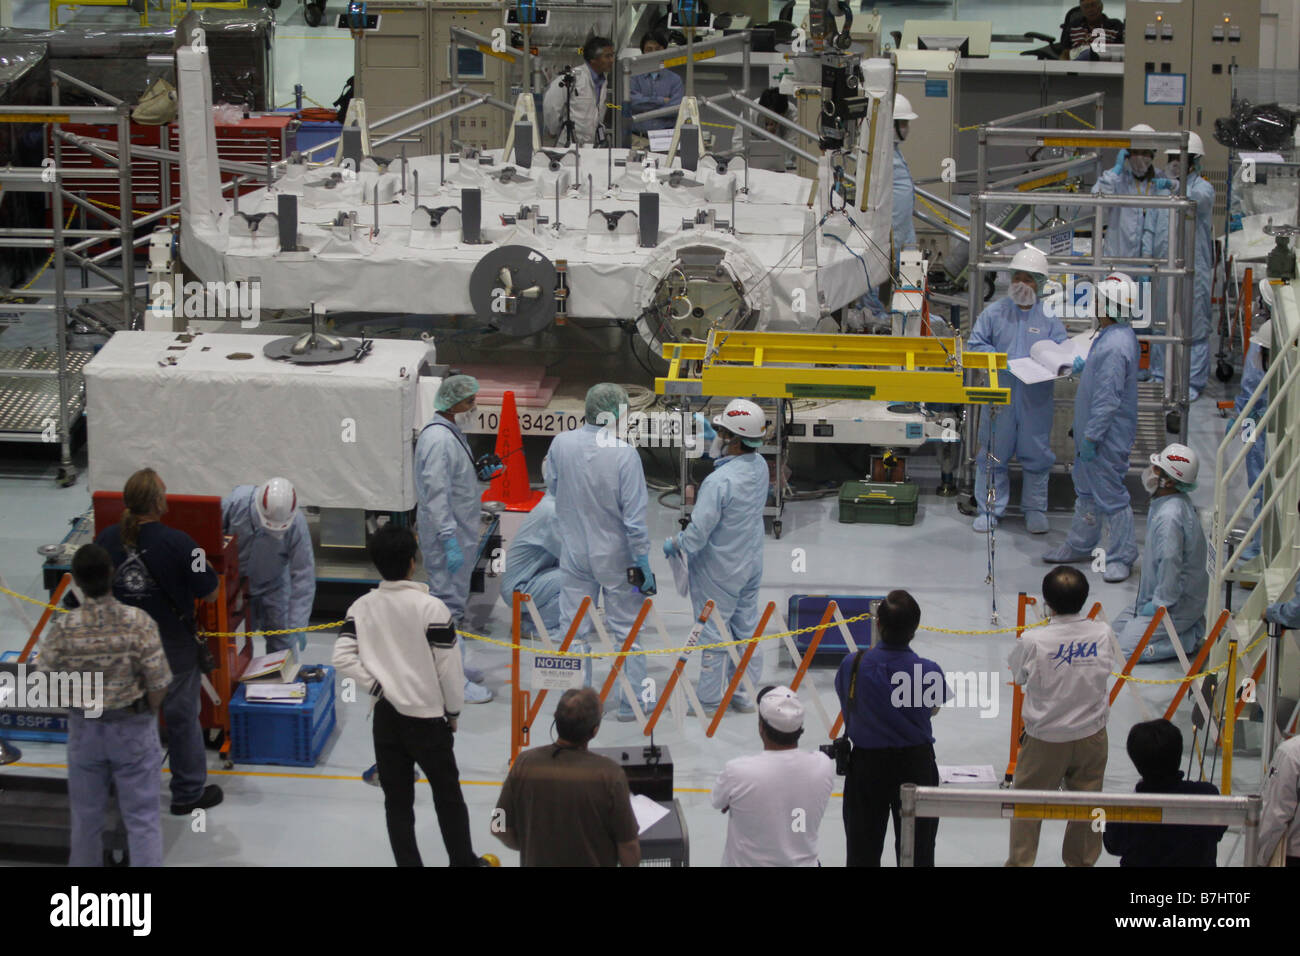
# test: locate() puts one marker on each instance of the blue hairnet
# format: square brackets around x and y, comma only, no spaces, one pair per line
[605,397]
[454,390]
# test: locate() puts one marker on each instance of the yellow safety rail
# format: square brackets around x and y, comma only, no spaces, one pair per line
[883,368]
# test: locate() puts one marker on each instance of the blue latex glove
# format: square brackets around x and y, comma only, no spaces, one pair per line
[455,557]
[1162,183]
[706,427]
[1120,160]
[1087,450]
[1148,609]
[643,562]
[1078,365]
[301,637]
[670,547]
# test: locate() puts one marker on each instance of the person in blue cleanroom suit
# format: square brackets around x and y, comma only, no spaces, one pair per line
[723,545]
[904,230]
[1201,193]
[275,555]
[1174,574]
[1105,427]
[600,504]
[450,500]
[1022,429]
[533,566]
[1252,375]
[1131,231]
[904,191]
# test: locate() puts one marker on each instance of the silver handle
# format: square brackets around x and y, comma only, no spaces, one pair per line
[1180,116]
[1198,115]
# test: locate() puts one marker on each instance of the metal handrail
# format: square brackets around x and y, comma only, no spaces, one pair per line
[1163,809]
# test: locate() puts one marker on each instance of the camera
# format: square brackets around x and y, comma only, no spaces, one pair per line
[568,78]
[838,750]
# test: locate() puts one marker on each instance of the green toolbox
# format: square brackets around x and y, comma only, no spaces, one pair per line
[878,502]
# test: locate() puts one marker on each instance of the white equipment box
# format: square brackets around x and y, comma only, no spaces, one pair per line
[210,411]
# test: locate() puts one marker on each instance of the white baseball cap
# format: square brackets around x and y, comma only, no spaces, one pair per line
[781,710]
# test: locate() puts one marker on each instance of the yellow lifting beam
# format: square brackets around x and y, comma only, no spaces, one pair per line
[883,368]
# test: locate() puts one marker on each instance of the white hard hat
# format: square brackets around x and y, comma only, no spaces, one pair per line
[743,418]
[1141,128]
[1119,289]
[276,504]
[1030,259]
[1177,461]
[1266,291]
[1194,146]
[903,108]
[1263,336]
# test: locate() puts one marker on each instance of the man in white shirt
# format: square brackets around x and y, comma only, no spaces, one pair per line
[1064,669]
[399,645]
[775,800]
[573,108]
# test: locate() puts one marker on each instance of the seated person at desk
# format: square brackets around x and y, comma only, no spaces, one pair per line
[1081,26]
[652,91]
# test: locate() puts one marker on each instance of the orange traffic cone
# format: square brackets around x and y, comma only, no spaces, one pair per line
[511,486]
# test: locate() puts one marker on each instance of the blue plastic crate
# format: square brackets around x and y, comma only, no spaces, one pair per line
[287,734]
[806,610]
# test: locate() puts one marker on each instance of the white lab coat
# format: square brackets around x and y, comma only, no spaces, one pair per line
[586,110]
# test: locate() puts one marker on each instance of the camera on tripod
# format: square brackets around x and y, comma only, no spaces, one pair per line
[568,78]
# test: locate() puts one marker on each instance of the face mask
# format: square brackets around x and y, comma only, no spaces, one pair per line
[1140,165]
[1023,295]
[717,447]
[1150,480]
[1174,169]
[464,419]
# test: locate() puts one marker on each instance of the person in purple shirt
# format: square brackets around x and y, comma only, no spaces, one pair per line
[888,695]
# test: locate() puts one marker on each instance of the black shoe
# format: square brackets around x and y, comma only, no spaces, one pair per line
[210,798]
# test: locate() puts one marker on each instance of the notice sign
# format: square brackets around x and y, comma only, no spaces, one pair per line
[556,673]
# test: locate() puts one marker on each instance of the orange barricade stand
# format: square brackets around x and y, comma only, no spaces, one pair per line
[64,583]
[524,710]
[737,677]
[679,667]
[615,670]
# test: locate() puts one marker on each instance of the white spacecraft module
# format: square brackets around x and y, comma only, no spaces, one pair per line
[679,251]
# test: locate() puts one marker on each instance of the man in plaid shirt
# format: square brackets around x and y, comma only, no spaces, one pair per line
[119,645]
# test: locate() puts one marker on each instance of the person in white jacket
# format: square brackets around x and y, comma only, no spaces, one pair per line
[1064,669]
[399,645]
[574,105]
[1277,818]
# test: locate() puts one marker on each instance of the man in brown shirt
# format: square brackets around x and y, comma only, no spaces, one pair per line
[562,805]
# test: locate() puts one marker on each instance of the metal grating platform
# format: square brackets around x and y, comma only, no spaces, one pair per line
[27,403]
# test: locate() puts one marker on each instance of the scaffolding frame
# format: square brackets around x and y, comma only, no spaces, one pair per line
[1176,268]
[120,228]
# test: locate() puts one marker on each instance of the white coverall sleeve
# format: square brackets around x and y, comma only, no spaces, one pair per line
[436,477]
[553,107]
[704,518]
[1280,796]
[633,499]
[302,574]
[548,473]
[1167,550]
